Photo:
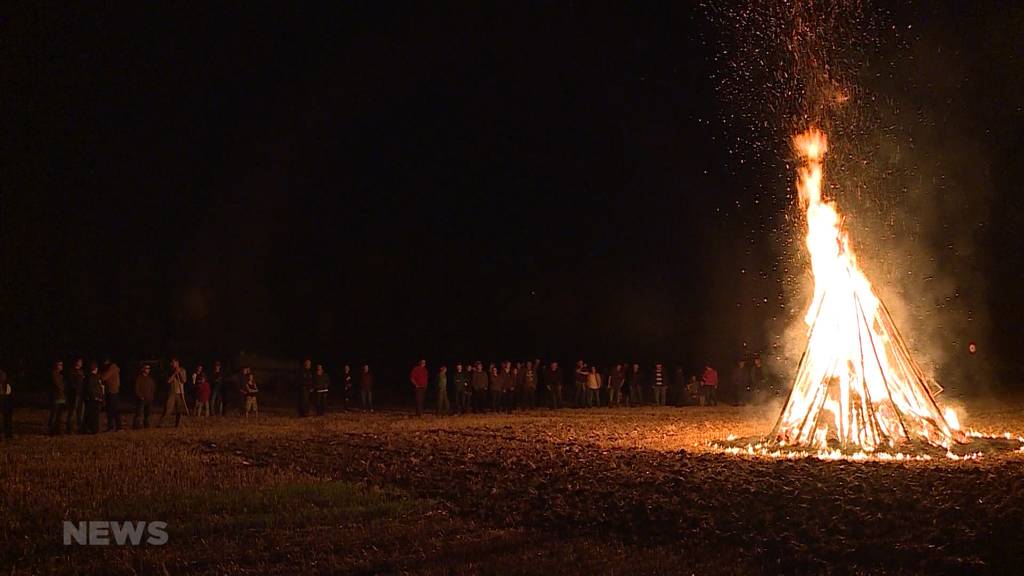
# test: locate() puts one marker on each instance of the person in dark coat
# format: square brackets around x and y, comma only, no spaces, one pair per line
[237,388]
[479,381]
[6,406]
[579,398]
[322,385]
[303,386]
[635,382]
[73,390]
[463,392]
[366,388]
[616,378]
[57,399]
[496,386]
[218,396]
[145,389]
[553,385]
[528,386]
[94,394]
[679,397]
[739,380]
[508,391]
[757,383]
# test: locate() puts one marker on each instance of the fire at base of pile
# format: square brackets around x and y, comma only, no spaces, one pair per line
[981,445]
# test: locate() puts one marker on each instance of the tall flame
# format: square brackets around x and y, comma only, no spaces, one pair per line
[857,385]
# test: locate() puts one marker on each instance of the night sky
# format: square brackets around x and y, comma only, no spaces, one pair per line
[392,181]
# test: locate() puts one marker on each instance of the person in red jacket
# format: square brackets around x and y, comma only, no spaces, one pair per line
[203,391]
[418,377]
[709,384]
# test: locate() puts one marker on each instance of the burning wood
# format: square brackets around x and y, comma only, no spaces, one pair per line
[857,388]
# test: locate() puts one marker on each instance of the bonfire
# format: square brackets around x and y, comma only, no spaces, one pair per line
[857,388]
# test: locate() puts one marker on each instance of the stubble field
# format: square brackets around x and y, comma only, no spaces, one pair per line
[604,491]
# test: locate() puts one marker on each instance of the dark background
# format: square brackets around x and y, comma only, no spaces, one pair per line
[389,181]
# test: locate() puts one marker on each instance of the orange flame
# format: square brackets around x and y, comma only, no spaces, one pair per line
[856,366]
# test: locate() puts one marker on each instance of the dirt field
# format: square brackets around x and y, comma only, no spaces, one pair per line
[571,492]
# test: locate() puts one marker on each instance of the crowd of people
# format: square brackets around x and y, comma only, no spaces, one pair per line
[78,395]
[509,386]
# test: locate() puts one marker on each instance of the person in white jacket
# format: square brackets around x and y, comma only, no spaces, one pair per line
[593,387]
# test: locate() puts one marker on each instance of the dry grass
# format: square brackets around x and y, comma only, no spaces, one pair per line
[602,491]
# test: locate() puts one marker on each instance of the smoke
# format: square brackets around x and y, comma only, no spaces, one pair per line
[907,165]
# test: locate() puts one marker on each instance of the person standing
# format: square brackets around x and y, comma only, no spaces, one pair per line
[418,378]
[529,387]
[635,381]
[442,391]
[553,385]
[709,385]
[94,394]
[659,384]
[145,389]
[175,393]
[203,391]
[6,407]
[74,384]
[479,380]
[111,377]
[366,388]
[508,386]
[593,388]
[494,386]
[741,382]
[303,386]
[678,395]
[238,389]
[322,385]
[616,377]
[217,391]
[57,399]
[251,391]
[346,385]
[757,386]
[580,384]
[512,386]
[693,391]
[462,391]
